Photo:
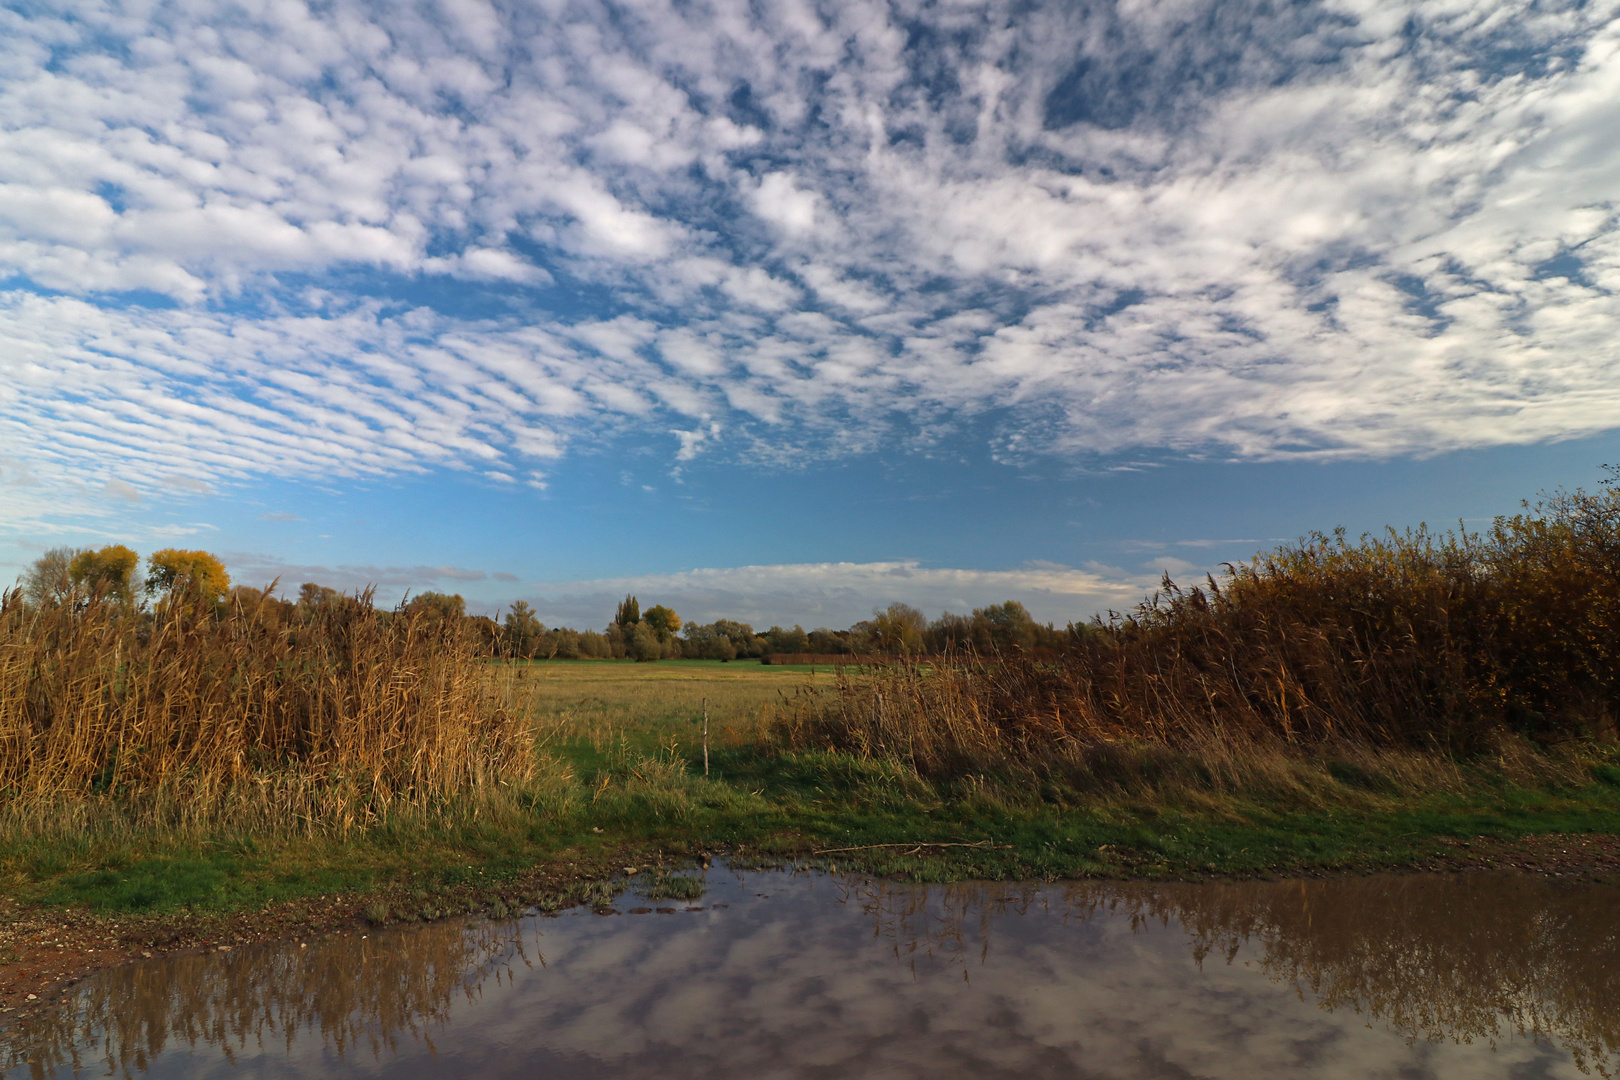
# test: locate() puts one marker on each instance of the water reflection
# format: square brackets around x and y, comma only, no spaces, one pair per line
[1466,975]
[1463,958]
[354,995]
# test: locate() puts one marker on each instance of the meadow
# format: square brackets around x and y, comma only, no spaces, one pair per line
[1333,705]
[619,780]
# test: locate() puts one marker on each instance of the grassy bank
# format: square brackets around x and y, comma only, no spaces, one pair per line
[620,781]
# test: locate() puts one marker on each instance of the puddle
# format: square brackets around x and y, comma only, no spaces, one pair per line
[784,975]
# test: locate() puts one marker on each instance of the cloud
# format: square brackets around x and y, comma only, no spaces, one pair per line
[295,241]
[253,568]
[838,594]
[782,202]
[280,517]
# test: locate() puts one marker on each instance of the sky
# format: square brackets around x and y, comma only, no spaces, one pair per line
[783,312]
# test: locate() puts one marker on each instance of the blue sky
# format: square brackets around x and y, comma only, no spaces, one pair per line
[782,311]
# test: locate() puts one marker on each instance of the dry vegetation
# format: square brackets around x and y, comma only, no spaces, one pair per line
[604,702]
[1397,665]
[1387,661]
[208,715]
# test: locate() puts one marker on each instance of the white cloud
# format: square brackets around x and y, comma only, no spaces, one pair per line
[692,441]
[1265,232]
[780,201]
[487,264]
[392,582]
[838,594]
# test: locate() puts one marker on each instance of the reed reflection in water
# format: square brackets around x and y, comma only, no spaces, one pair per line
[802,975]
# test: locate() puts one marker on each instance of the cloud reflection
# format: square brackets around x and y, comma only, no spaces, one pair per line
[807,976]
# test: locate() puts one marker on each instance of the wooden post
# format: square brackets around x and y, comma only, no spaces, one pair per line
[705,736]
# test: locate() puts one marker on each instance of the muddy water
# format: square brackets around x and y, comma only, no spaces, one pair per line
[782,975]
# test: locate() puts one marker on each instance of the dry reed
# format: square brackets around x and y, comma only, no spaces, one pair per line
[196,715]
[1380,655]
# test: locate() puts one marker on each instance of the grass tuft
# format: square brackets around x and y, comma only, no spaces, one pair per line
[672,887]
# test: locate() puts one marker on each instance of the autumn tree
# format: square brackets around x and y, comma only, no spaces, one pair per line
[521,629]
[108,572]
[173,572]
[628,613]
[723,639]
[664,622]
[1009,626]
[436,608]
[896,629]
[642,643]
[262,604]
[312,596]
[787,641]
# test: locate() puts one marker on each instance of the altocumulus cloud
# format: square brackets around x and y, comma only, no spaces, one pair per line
[297,241]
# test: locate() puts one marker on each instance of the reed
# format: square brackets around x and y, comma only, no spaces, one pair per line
[1386,660]
[203,715]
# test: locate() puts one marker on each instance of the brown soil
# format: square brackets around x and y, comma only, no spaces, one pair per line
[44,951]
[1588,857]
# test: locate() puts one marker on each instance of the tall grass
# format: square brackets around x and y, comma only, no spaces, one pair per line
[1408,646]
[217,716]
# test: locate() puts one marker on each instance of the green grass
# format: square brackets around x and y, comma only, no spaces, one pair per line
[624,785]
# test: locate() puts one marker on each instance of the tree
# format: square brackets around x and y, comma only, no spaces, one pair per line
[1009,625]
[898,629]
[108,572]
[787,641]
[48,582]
[312,596]
[522,629]
[628,614]
[262,604]
[664,622]
[829,642]
[594,646]
[197,574]
[437,607]
[642,644]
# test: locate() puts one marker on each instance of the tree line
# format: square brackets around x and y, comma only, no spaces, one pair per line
[109,575]
[658,633]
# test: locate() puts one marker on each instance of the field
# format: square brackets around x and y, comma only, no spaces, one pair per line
[620,781]
[1407,700]
[1333,704]
[584,707]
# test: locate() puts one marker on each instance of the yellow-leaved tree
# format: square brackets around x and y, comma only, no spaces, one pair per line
[108,573]
[195,574]
[665,623]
